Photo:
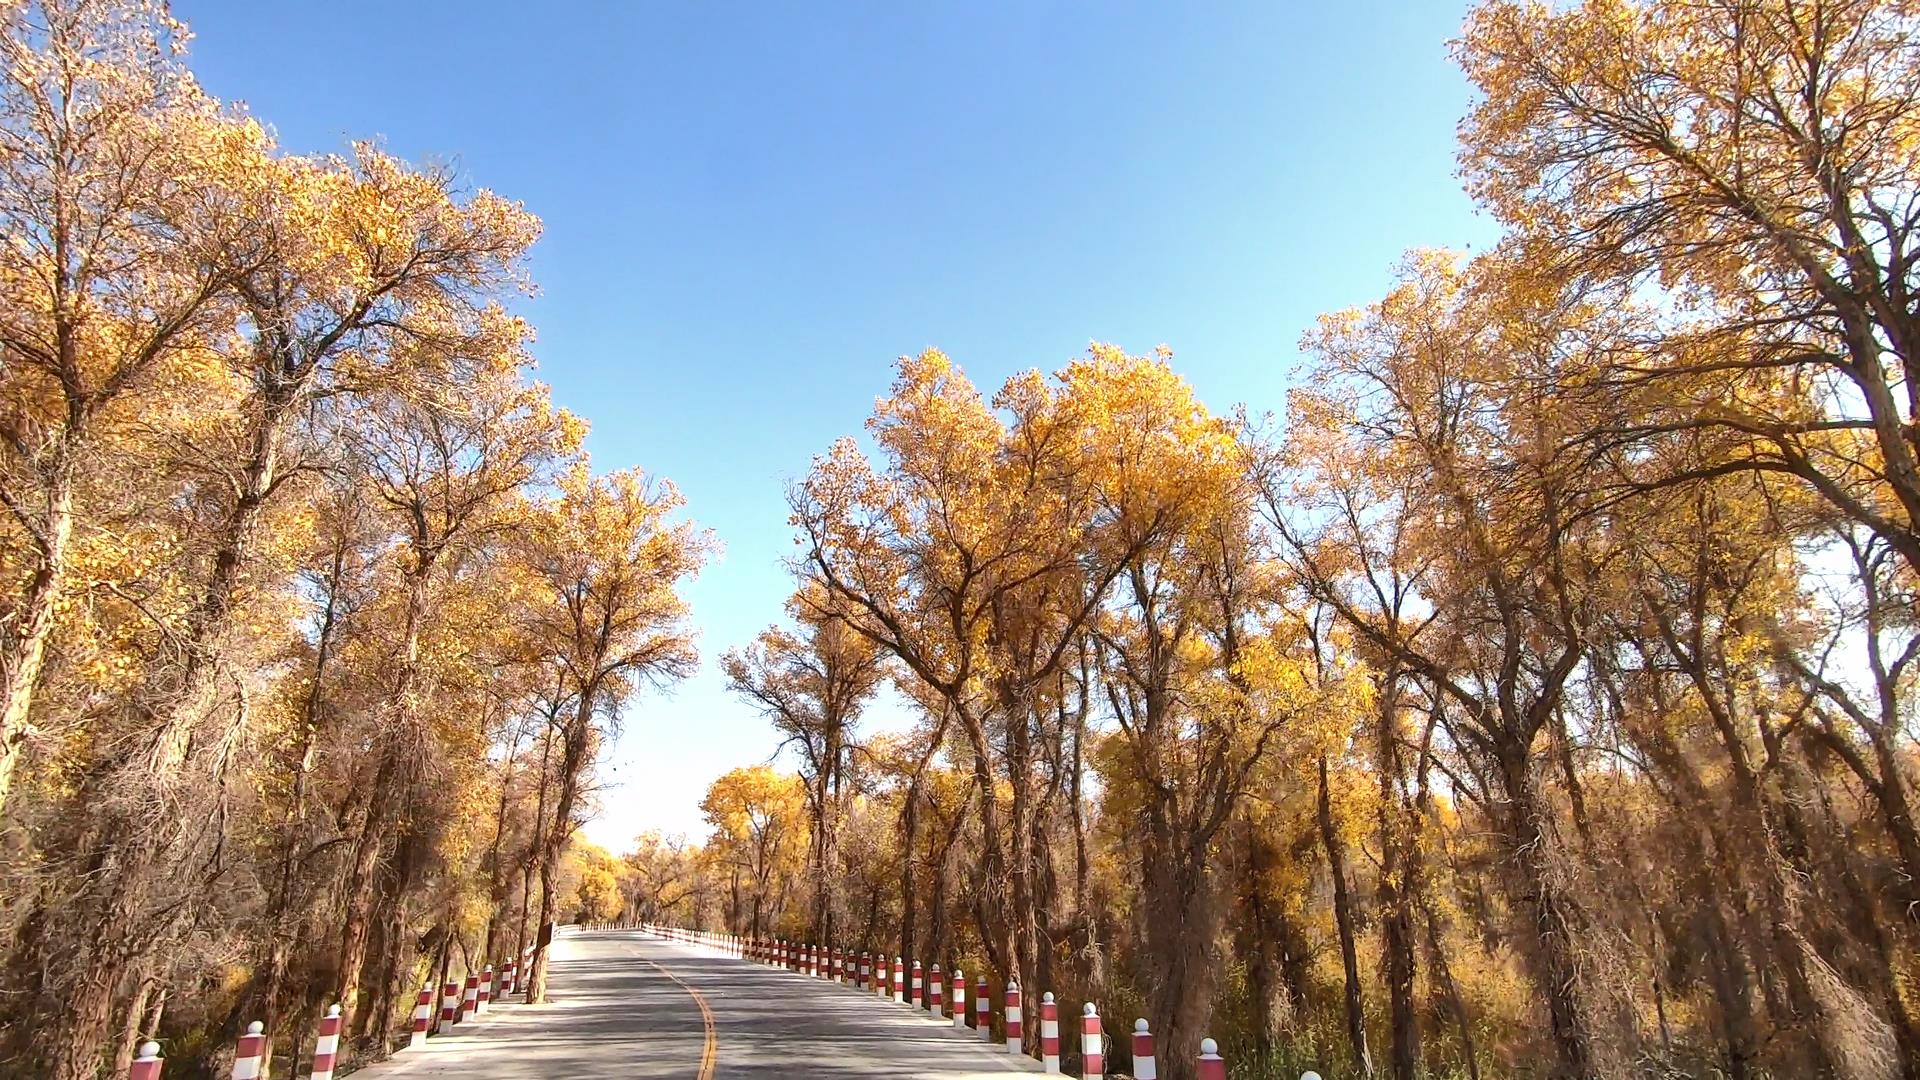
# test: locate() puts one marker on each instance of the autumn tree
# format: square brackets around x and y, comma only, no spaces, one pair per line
[602,565]
[811,684]
[447,462]
[268,437]
[1197,686]
[117,181]
[756,816]
[968,558]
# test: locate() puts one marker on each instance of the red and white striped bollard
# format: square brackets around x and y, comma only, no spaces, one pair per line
[470,997]
[252,1048]
[1014,1030]
[1049,1033]
[982,1010]
[422,1018]
[486,990]
[899,982]
[934,1001]
[915,1001]
[959,998]
[326,1045]
[1093,1044]
[1212,1065]
[450,1002]
[1144,1067]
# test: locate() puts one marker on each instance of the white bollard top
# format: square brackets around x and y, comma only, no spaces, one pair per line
[256,1028]
[1140,1025]
[333,1010]
[1047,997]
[1087,1010]
[1208,1046]
[1309,1075]
[149,1050]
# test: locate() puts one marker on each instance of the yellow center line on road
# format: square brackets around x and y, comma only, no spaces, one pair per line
[712,1048]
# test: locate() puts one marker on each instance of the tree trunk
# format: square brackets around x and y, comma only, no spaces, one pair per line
[496,864]
[1549,947]
[25,653]
[357,923]
[909,893]
[1265,940]
[1182,920]
[1399,868]
[141,833]
[535,845]
[131,1031]
[575,752]
[1891,794]
[1343,920]
[537,974]
[282,927]
[1449,990]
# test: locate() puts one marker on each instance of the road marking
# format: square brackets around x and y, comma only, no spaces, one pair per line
[712,1048]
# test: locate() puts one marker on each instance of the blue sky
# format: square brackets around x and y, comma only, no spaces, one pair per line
[751,209]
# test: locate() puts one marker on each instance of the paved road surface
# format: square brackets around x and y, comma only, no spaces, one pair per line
[618,1011]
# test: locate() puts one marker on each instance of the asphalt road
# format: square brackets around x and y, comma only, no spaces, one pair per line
[629,1005]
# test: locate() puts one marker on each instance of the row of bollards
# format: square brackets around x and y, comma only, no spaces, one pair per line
[933,990]
[458,1002]
[250,1055]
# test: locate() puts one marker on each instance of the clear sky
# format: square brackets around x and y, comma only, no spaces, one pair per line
[751,209]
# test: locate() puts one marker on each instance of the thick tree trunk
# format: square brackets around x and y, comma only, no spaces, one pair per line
[1872,928]
[1022,931]
[25,655]
[1397,942]
[1549,944]
[144,829]
[357,933]
[357,922]
[535,845]
[997,936]
[1895,801]
[537,974]
[1182,921]
[400,751]
[575,752]
[1266,941]
[130,1029]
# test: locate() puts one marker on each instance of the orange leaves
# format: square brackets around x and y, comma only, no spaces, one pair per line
[600,566]
[1715,144]
[977,505]
[758,817]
